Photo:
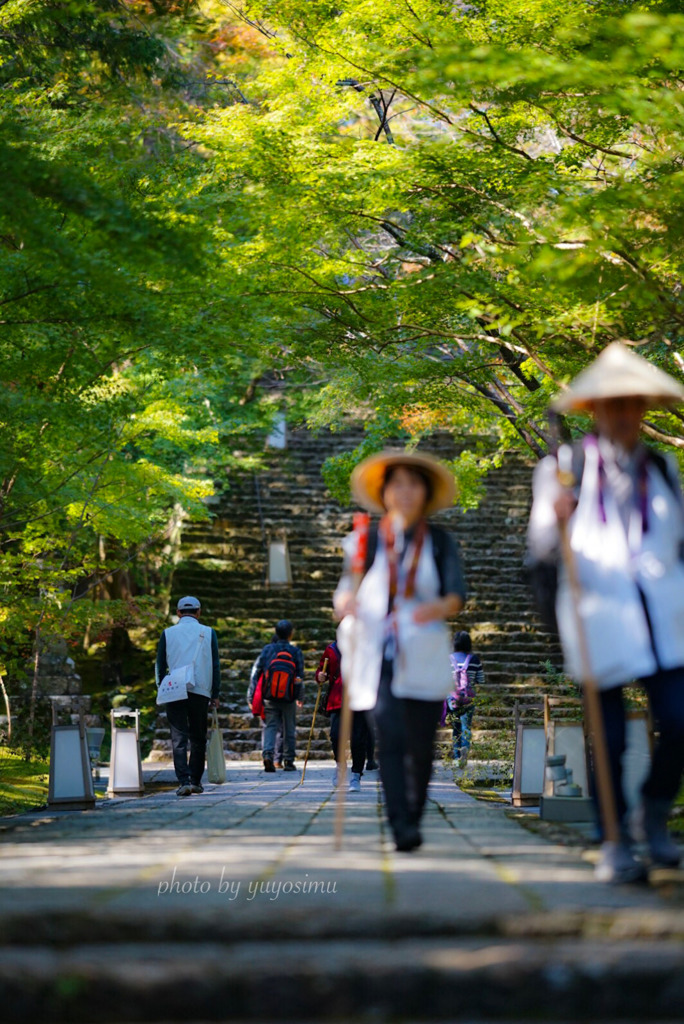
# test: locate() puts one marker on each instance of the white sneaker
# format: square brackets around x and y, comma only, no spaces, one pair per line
[355,782]
[618,864]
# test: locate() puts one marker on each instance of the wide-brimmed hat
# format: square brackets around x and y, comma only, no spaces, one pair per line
[368,479]
[619,373]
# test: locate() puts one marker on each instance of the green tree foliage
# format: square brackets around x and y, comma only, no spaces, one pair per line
[121,376]
[453,207]
[430,213]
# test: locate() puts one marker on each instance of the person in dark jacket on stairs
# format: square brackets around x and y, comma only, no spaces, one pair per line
[279,713]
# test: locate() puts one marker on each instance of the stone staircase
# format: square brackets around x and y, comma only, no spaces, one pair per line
[224,562]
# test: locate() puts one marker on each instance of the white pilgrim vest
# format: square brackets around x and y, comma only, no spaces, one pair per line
[422,667]
[610,563]
[183,645]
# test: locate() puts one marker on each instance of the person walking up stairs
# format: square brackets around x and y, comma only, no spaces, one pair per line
[279,670]
[190,648]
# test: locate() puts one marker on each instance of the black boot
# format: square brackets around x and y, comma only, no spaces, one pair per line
[652,824]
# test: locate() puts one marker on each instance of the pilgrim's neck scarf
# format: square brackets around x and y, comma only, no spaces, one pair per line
[401,581]
[641,491]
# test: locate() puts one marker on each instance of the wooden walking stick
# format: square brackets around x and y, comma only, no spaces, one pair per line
[313,723]
[590,690]
[358,567]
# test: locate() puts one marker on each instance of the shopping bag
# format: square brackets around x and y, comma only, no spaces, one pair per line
[174,686]
[216,762]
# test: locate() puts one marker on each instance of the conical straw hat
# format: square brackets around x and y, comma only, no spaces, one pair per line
[618,372]
[368,479]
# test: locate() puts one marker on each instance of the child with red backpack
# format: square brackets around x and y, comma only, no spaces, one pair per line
[278,672]
[460,704]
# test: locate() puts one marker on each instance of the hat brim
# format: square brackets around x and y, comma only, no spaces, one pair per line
[618,372]
[368,479]
[570,401]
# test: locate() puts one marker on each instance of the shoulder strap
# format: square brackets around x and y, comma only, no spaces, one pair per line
[578,462]
[200,641]
[372,548]
[658,460]
[439,543]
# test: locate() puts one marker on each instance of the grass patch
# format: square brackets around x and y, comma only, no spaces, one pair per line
[490,796]
[23,784]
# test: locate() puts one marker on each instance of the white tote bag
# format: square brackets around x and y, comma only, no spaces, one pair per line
[176,684]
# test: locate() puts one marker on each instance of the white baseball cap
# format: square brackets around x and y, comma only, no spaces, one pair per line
[188,604]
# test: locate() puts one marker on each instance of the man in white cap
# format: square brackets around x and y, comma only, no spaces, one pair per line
[624,516]
[190,643]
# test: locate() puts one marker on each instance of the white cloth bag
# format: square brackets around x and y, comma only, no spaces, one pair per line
[176,684]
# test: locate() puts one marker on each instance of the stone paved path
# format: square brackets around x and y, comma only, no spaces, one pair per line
[245,845]
[251,863]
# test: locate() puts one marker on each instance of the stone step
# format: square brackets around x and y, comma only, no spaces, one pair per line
[407,977]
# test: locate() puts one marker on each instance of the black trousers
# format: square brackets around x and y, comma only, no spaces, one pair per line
[188,723]
[406,733]
[665,692]
[370,745]
[359,737]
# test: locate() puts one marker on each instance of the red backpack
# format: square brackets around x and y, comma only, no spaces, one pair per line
[279,678]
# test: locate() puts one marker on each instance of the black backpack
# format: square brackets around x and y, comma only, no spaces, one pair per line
[279,678]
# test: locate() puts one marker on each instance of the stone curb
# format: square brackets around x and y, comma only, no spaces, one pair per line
[343,981]
[62,929]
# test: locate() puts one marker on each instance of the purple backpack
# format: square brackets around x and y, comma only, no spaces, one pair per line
[464,692]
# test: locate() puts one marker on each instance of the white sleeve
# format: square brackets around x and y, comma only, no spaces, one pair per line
[542,531]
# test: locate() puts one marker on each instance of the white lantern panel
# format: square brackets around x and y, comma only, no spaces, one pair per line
[125,761]
[68,757]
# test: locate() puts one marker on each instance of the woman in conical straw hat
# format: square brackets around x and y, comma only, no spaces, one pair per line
[624,516]
[398,666]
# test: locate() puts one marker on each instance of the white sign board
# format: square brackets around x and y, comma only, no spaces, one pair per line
[279,562]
